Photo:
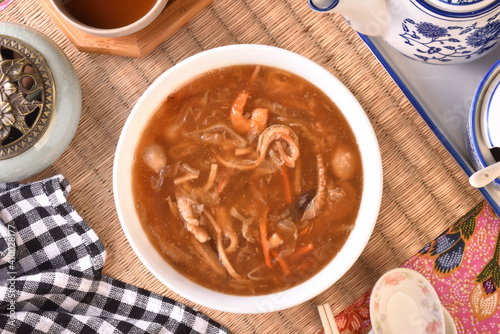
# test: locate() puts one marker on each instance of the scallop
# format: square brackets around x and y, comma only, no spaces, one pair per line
[344,163]
[155,157]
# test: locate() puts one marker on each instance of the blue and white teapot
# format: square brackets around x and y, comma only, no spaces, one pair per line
[433,31]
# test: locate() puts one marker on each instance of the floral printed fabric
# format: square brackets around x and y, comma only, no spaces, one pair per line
[4,3]
[462,264]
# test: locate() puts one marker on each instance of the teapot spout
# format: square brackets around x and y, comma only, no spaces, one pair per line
[369,17]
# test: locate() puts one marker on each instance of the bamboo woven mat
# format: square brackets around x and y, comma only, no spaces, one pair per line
[424,188]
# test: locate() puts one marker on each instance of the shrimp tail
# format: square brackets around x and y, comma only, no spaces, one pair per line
[258,117]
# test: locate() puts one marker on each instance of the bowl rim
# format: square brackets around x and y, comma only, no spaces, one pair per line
[129,29]
[474,122]
[372,178]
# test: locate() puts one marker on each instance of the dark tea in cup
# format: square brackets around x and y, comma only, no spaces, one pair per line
[108,14]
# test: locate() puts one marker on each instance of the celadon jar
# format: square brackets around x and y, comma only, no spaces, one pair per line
[40,102]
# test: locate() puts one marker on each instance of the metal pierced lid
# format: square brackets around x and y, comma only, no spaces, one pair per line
[26,96]
[40,101]
[460,6]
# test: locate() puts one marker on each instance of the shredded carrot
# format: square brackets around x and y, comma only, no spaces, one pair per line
[288,187]
[305,230]
[222,184]
[263,238]
[281,261]
[301,252]
[306,265]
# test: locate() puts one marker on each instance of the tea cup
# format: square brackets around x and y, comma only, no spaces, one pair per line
[98,19]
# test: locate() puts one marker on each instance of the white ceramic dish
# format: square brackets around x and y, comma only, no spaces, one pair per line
[442,95]
[116,32]
[403,301]
[490,114]
[479,152]
[234,55]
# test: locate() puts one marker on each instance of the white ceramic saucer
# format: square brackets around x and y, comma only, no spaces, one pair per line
[404,302]
[490,114]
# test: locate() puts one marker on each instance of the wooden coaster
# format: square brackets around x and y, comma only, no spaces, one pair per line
[140,44]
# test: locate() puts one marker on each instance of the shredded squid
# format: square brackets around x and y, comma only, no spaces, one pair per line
[269,135]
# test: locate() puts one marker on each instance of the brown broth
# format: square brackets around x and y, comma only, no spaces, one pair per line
[178,127]
[108,14]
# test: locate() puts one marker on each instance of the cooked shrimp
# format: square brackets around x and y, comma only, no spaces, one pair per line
[257,120]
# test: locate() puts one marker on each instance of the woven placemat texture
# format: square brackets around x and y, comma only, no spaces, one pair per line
[424,188]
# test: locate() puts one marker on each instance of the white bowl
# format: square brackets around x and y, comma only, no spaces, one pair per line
[486,94]
[116,32]
[235,55]
[490,115]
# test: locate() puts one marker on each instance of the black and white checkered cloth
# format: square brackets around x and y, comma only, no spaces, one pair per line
[50,274]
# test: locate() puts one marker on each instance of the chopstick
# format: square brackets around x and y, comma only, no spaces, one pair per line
[327,319]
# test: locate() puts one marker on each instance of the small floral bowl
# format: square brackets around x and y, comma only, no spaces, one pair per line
[479,152]
[403,301]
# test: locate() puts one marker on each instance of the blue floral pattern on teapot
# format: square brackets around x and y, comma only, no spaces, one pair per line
[444,44]
[460,2]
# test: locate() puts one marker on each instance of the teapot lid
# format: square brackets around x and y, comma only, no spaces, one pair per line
[460,6]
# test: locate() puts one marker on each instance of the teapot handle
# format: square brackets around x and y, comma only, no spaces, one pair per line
[369,17]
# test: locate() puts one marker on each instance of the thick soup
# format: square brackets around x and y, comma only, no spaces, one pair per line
[247,180]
